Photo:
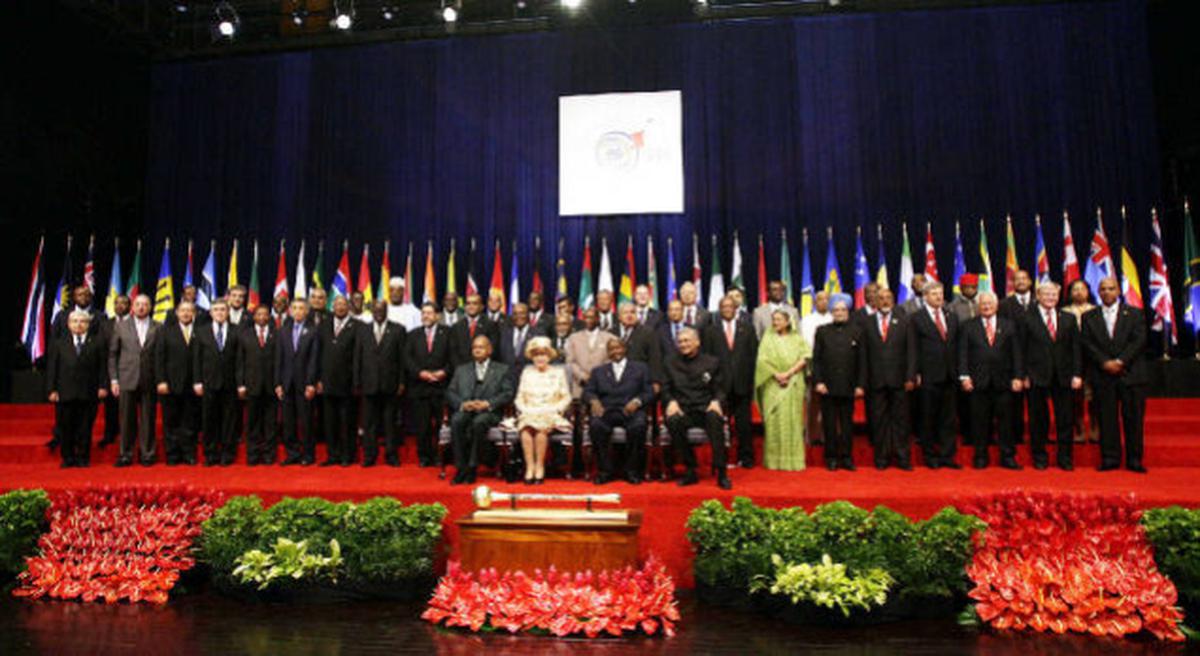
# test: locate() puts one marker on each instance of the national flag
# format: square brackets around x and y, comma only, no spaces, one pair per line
[134,286]
[301,287]
[341,277]
[451,274]
[736,280]
[385,270]
[497,284]
[906,267]
[33,331]
[1191,272]
[408,276]
[1010,258]
[862,271]
[188,280]
[1099,264]
[605,282]
[628,275]
[114,281]
[535,284]
[785,264]
[363,285]
[716,281]
[253,296]
[281,279]
[808,290]
[318,271]
[514,280]
[164,291]
[472,288]
[833,276]
[960,262]
[586,296]
[1040,257]
[429,288]
[651,273]
[206,291]
[561,290]
[89,266]
[1160,285]
[985,258]
[697,271]
[763,296]
[232,280]
[672,287]
[1070,261]
[931,268]
[881,271]
[1131,283]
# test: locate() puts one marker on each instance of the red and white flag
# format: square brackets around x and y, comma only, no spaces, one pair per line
[1160,286]
[281,277]
[1070,261]
[931,271]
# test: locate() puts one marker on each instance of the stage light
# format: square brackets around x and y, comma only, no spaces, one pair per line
[299,12]
[449,14]
[181,7]
[227,20]
[343,18]
[571,4]
[388,12]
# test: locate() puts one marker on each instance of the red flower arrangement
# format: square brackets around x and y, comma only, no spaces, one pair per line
[1061,562]
[611,603]
[117,543]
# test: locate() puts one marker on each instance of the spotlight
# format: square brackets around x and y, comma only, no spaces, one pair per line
[343,19]
[181,7]
[388,12]
[521,5]
[571,4]
[449,14]
[227,21]
[299,12]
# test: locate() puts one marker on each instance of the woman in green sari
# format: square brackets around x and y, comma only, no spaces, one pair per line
[782,356]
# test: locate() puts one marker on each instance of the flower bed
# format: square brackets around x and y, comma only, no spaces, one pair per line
[609,603]
[22,522]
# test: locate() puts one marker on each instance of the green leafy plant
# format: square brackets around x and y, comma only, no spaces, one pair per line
[289,561]
[827,585]
[22,522]
[1174,532]
[232,530]
[386,541]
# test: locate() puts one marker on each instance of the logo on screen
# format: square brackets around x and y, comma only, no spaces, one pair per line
[619,151]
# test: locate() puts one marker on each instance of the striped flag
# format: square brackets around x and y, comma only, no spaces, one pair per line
[561,289]
[535,284]
[253,296]
[1191,272]
[906,267]
[318,271]
[1099,265]
[1160,285]
[808,290]
[62,294]
[672,287]
[341,277]
[1131,283]
[785,263]
[408,276]
[451,274]
[89,266]
[134,286]
[514,279]
[628,275]
[881,271]
[385,271]
[1070,260]
[472,286]
[931,268]
[960,262]
[114,281]
[651,273]
[206,292]
[605,282]
[164,290]
[496,287]
[986,280]
[232,280]
[862,272]
[763,297]
[1041,258]
[586,295]
[188,280]
[33,331]
[697,272]
[833,276]
[735,272]
[1010,258]
[429,288]
[716,281]
[281,280]
[364,277]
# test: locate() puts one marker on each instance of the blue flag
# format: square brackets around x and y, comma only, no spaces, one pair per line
[808,291]
[862,272]
[206,292]
[672,288]
[960,262]
[833,276]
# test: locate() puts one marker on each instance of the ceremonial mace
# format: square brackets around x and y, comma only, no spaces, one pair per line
[484,497]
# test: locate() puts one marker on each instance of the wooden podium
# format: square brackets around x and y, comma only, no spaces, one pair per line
[529,540]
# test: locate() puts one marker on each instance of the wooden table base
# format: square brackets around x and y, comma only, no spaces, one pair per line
[569,545]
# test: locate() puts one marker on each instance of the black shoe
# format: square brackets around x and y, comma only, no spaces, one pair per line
[66,465]
[368,463]
[470,476]
[950,464]
[831,465]
[881,466]
[1137,469]
[289,461]
[211,462]
[1107,467]
[633,479]
[189,461]
[848,465]
[1009,463]
[689,479]
[52,443]
[980,463]
[123,462]
[148,463]
[423,462]
[603,479]
[747,463]
[723,482]
[459,478]
[536,481]
[906,466]
[1066,466]
[105,442]
[307,462]
[932,463]
[1040,465]
[330,463]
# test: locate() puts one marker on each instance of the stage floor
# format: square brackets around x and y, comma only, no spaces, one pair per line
[1173,456]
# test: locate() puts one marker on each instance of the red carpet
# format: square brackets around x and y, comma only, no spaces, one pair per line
[1172,454]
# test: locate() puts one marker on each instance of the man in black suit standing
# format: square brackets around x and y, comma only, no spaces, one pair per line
[477,394]
[215,383]
[641,344]
[1114,336]
[735,345]
[990,366]
[540,319]
[618,394]
[606,311]
[174,361]
[839,371]
[890,351]
[463,333]
[1014,307]
[1052,370]
[693,314]
[935,373]
[297,367]
[77,380]
[428,365]
[513,335]
[563,328]
[335,383]
[668,329]
[379,371]
[643,300]
[108,328]
[694,393]
[256,386]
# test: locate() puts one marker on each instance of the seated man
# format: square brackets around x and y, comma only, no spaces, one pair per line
[477,395]
[618,394]
[693,395]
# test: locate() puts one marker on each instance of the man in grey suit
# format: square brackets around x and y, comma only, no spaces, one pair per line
[586,350]
[131,379]
[776,300]
[916,302]
[477,395]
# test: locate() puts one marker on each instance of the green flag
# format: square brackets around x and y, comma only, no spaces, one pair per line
[135,274]
[586,293]
[785,267]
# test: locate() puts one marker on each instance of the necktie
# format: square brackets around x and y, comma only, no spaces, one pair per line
[141,332]
[883,327]
[296,338]
[991,331]
[429,339]
[472,328]
[641,316]
[78,344]
[625,332]
[729,334]
[262,336]
[1112,323]
[941,325]
[378,333]
[689,316]
[1051,327]
[187,335]
[517,335]
[221,337]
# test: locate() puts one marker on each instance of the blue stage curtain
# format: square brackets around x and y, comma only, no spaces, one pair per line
[840,120]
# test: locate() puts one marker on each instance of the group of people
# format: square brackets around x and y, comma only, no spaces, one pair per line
[305,370]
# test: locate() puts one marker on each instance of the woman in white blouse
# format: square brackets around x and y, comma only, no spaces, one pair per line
[542,397]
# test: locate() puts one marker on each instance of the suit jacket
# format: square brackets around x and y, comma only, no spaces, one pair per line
[702,317]
[1010,308]
[76,376]
[614,394]
[582,358]
[666,340]
[642,345]
[910,307]
[692,382]
[337,356]
[460,339]
[1126,344]
[737,363]
[966,310]
[936,360]
[514,356]
[174,358]
[990,366]
[762,317]
[297,366]
[256,364]
[1051,362]
[422,358]
[59,327]
[380,367]
[839,358]
[215,369]
[560,345]
[543,323]
[131,363]
[608,320]
[496,388]
[890,363]
[653,317]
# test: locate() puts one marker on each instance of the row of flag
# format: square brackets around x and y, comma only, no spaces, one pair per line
[1099,264]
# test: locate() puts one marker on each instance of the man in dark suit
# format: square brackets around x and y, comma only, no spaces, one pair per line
[890,351]
[1053,369]
[641,342]
[256,385]
[379,372]
[215,383]
[75,376]
[477,395]
[643,300]
[174,361]
[428,369]
[839,370]
[451,312]
[935,373]
[693,314]
[694,393]
[618,394]
[335,383]
[495,309]
[1114,336]
[735,345]
[112,406]
[1014,307]
[81,301]
[990,367]
[540,318]
[472,325]
[563,328]
[668,329]
[513,335]
[606,311]
[297,368]
[566,306]
[131,374]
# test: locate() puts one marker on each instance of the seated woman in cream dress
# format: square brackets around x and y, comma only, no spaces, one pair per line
[542,397]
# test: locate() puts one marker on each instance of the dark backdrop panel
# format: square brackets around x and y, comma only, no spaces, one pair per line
[802,122]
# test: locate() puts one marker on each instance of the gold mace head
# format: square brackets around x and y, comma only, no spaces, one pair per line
[482,496]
